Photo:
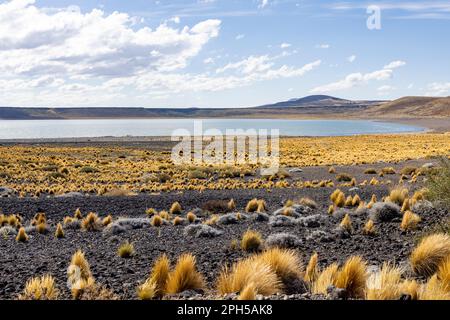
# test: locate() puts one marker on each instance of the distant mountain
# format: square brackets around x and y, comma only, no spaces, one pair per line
[418,107]
[318,101]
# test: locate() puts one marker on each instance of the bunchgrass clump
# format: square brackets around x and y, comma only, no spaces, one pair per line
[410,221]
[126,250]
[91,222]
[251,241]
[430,253]
[22,235]
[184,276]
[439,183]
[40,288]
[352,277]
[312,270]
[384,284]
[59,233]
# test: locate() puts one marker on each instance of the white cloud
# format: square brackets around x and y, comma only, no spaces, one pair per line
[35,42]
[208,61]
[249,65]
[351,58]
[263,3]
[323,46]
[395,64]
[285,45]
[438,89]
[385,89]
[240,36]
[356,79]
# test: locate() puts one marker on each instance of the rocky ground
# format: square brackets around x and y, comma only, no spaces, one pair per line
[314,230]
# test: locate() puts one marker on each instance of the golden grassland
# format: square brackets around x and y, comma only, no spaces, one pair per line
[108,170]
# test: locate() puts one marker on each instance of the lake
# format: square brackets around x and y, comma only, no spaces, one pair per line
[33,129]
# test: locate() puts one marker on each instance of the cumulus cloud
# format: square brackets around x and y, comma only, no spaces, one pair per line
[438,89]
[263,3]
[285,45]
[37,42]
[356,79]
[323,46]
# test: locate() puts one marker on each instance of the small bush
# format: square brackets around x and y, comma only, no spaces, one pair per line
[107,220]
[184,276]
[398,196]
[40,288]
[21,235]
[344,177]
[410,221]
[59,233]
[430,253]
[175,208]
[369,228]
[251,241]
[91,222]
[191,217]
[156,221]
[126,250]
[252,205]
[346,224]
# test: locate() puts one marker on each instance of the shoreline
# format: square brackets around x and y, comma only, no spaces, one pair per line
[437,125]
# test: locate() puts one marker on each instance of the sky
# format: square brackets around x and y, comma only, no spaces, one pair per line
[219,53]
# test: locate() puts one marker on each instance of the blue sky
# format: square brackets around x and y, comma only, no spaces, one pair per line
[219,53]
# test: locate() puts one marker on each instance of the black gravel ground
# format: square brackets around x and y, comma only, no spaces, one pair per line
[45,254]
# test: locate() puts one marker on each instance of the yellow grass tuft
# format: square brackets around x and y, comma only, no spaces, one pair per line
[348,201]
[444,274]
[332,170]
[164,215]
[41,228]
[410,221]
[369,228]
[352,277]
[411,288]
[156,221]
[406,205]
[77,214]
[184,276]
[177,221]
[248,293]
[231,205]
[308,202]
[40,288]
[107,220]
[212,220]
[91,222]
[285,263]
[356,200]
[433,290]
[312,270]
[346,223]
[331,209]
[79,267]
[340,200]
[150,212]
[160,274]
[430,253]
[385,284]
[175,208]
[325,279]
[59,233]
[335,194]
[251,241]
[147,290]
[252,206]
[262,207]
[246,272]
[398,195]
[22,235]
[126,250]
[191,217]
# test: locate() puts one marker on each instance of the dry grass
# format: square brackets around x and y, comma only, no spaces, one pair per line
[356,200]
[433,290]
[331,209]
[175,208]
[248,293]
[160,274]
[147,290]
[107,220]
[325,279]
[40,288]
[411,288]
[251,241]
[59,233]
[150,212]
[285,263]
[125,250]
[22,235]
[346,224]
[184,276]
[91,222]
[42,228]
[164,215]
[352,277]
[191,217]
[308,202]
[177,221]
[231,205]
[443,274]
[156,221]
[248,272]
[385,284]
[439,183]
[410,221]
[252,206]
[369,228]
[312,270]
[398,195]
[77,214]
[262,206]
[430,253]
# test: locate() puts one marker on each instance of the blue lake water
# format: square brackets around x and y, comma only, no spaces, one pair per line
[33,129]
